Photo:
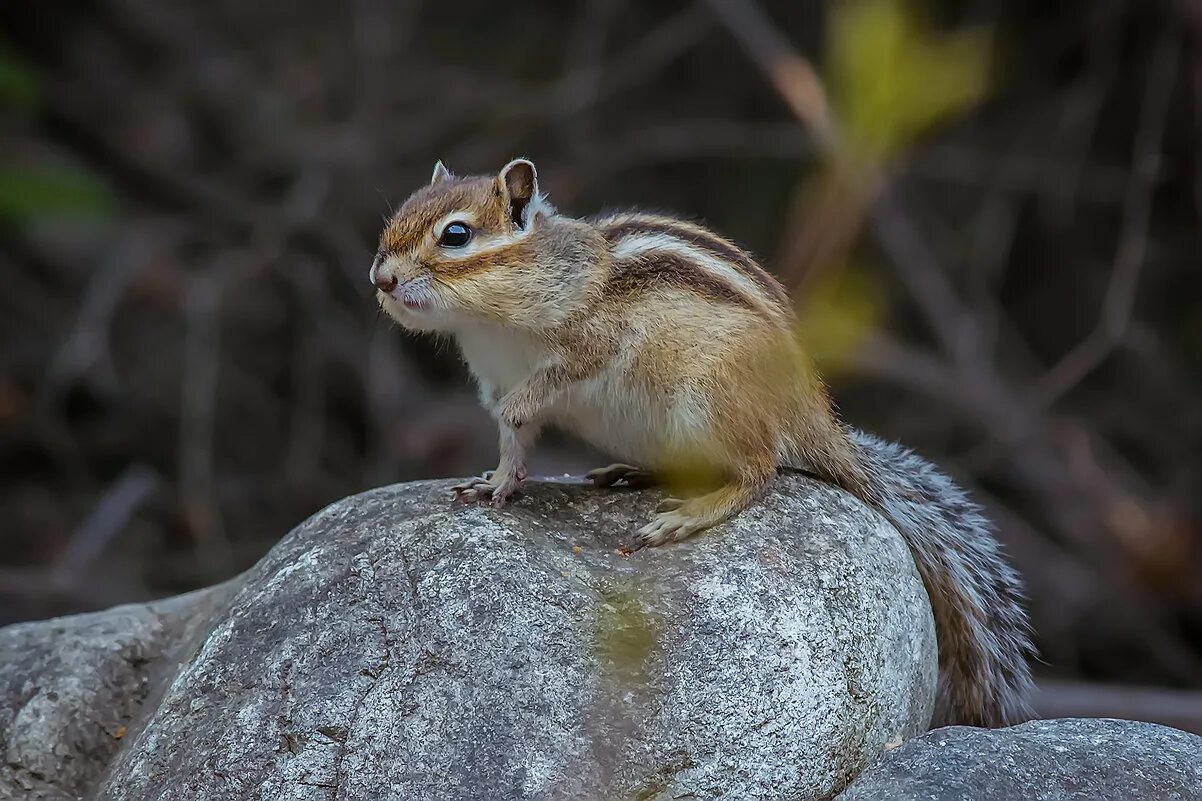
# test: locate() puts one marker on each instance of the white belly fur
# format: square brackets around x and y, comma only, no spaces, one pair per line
[616,415]
[498,357]
[606,410]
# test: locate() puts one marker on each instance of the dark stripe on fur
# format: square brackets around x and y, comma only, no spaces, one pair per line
[703,240]
[650,271]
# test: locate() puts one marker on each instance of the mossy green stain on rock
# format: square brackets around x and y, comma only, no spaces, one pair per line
[625,634]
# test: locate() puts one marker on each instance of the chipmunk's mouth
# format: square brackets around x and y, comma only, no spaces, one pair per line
[414,296]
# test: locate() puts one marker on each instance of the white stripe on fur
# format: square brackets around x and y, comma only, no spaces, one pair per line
[646,245]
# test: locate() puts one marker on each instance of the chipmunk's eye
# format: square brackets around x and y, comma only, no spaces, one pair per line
[455,235]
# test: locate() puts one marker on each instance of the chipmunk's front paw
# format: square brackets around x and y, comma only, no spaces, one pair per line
[670,524]
[492,486]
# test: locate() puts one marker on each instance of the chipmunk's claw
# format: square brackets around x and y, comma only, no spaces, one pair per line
[489,487]
[628,475]
[471,490]
[669,525]
[669,505]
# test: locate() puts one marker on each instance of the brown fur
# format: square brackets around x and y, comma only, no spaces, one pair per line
[413,220]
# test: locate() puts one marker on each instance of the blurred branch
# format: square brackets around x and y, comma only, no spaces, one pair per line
[916,264]
[88,345]
[793,76]
[698,139]
[307,429]
[198,409]
[70,118]
[637,63]
[959,165]
[585,55]
[120,502]
[1115,316]
[1076,126]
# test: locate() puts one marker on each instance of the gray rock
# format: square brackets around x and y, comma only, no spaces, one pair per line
[71,688]
[1071,759]
[399,646]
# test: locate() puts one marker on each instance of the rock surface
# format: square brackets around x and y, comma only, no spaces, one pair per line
[1071,759]
[399,646]
[71,688]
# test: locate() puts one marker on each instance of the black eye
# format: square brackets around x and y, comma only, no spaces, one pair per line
[455,235]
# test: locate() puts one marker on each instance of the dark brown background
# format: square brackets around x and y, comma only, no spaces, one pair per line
[193,363]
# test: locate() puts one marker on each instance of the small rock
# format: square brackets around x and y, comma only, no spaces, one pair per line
[1071,759]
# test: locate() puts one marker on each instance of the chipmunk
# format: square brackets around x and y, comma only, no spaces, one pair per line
[669,347]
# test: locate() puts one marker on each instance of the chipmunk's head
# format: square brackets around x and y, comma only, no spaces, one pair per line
[447,251]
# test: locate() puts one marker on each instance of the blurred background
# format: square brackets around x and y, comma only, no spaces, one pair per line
[988,212]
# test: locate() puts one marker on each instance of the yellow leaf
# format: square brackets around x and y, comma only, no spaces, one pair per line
[837,315]
[892,76]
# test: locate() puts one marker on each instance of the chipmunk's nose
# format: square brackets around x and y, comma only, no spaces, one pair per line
[384,280]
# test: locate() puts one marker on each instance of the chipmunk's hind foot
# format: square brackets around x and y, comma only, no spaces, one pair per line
[624,474]
[677,519]
[669,526]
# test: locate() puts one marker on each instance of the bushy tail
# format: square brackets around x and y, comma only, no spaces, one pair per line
[984,636]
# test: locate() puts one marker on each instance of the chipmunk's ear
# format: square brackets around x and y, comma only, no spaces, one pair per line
[441,173]
[519,181]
